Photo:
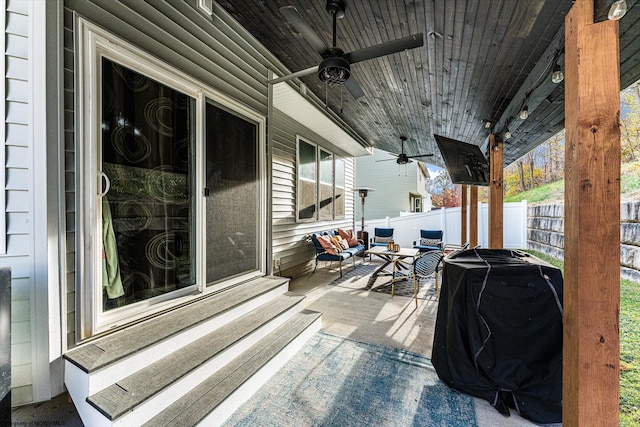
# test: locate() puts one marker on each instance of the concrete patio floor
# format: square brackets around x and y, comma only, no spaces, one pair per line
[373,317]
[358,314]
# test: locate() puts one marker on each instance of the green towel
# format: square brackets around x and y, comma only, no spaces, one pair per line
[111,281]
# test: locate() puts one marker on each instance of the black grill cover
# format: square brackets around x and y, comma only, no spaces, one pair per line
[498,332]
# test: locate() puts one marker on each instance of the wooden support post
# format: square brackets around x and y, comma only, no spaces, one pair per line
[463,215]
[496,196]
[591,353]
[473,216]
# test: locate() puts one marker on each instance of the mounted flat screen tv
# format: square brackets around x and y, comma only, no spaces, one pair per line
[465,162]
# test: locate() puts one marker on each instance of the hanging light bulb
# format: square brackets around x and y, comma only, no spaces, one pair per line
[558,75]
[617,10]
[524,113]
[507,134]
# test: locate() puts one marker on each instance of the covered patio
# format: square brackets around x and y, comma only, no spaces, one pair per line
[350,311]
[501,75]
[488,77]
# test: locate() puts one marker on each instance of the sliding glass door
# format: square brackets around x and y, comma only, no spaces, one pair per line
[170,182]
[147,204]
[232,191]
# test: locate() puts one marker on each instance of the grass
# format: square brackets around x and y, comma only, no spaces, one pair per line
[629,346]
[629,184]
[543,193]
[629,353]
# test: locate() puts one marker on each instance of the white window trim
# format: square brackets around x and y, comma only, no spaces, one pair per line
[93,43]
[300,178]
[332,154]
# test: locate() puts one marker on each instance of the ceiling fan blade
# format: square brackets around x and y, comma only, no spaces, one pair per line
[300,73]
[386,48]
[385,160]
[294,18]
[420,155]
[354,88]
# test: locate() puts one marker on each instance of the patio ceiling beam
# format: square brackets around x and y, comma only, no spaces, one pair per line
[591,354]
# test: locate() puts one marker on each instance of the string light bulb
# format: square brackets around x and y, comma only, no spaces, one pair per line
[617,10]
[558,75]
[524,113]
[507,134]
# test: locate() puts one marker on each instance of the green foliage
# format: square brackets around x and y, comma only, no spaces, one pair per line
[629,184]
[630,177]
[542,193]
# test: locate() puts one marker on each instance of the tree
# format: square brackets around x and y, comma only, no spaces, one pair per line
[630,123]
[444,194]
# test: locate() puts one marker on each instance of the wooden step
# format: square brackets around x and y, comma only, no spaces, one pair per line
[157,384]
[104,351]
[239,379]
[118,355]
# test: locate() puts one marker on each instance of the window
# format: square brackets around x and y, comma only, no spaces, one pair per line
[340,190]
[321,183]
[326,185]
[307,180]
[417,204]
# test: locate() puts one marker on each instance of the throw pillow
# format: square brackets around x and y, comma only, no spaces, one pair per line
[349,236]
[343,243]
[336,244]
[326,243]
[377,239]
[430,242]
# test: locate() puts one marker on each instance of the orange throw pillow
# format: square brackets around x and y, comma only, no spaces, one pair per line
[349,236]
[326,243]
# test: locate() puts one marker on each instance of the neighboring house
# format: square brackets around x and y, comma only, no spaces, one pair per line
[148,164]
[398,188]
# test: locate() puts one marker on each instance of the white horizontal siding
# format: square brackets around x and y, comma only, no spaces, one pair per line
[289,241]
[392,183]
[16,135]
[215,50]
[16,201]
[16,68]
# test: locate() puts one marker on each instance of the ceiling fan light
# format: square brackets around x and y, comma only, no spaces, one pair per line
[617,10]
[558,75]
[334,70]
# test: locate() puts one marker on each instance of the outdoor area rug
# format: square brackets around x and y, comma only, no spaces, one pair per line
[335,381]
[361,278]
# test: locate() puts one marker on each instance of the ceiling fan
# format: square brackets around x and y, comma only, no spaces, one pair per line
[402,158]
[335,66]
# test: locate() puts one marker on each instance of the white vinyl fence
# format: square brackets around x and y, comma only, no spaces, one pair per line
[407,227]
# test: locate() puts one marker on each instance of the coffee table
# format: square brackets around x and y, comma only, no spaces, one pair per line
[389,256]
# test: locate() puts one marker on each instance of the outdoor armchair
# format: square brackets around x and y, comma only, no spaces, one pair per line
[429,240]
[426,265]
[381,236]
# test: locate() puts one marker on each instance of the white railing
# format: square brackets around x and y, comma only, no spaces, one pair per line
[407,227]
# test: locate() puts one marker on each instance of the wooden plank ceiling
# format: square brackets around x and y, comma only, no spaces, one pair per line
[480,60]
